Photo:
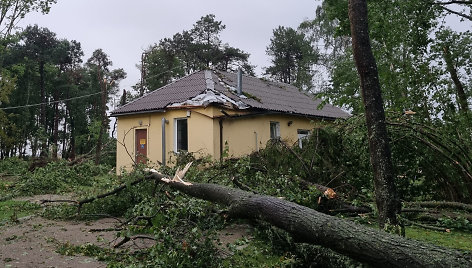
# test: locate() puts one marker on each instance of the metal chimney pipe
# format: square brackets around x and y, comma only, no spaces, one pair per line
[240,82]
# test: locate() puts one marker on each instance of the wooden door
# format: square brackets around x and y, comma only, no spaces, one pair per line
[141,146]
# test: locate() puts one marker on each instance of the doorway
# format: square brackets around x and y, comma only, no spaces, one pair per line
[141,146]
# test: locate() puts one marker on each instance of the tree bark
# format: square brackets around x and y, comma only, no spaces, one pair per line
[364,244]
[461,96]
[386,198]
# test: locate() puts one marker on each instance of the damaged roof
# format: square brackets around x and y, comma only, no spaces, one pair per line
[217,87]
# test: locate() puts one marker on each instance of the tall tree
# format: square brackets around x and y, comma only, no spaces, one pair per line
[386,198]
[159,66]
[192,50]
[107,80]
[455,50]
[39,45]
[67,57]
[206,36]
[11,12]
[292,57]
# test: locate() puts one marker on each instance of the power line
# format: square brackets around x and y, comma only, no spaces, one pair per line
[50,102]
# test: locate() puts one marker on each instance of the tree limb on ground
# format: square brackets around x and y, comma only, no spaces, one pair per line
[362,243]
[428,227]
[126,239]
[440,204]
[359,242]
[118,189]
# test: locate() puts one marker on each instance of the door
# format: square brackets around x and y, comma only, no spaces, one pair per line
[141,146]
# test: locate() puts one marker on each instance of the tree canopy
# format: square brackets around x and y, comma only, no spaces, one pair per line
[189,51]
[292,57]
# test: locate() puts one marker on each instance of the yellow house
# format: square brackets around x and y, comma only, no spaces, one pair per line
[214,113]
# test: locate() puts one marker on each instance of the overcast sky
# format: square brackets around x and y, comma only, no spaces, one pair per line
[124,28]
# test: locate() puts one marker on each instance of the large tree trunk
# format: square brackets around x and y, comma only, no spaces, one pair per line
[386,198]
[365,244]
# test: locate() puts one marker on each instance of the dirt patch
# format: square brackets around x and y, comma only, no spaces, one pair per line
[230,235]
[32,242]
[38,199]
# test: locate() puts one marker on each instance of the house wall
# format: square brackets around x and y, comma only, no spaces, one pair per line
[200,139]
[239,134]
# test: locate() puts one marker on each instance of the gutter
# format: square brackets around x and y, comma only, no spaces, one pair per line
[226,115]
[140,112]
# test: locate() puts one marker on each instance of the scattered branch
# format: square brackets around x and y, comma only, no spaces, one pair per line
[126,239]
[117,189]
[43,201]
[429,227]
[243,186]
[440,204]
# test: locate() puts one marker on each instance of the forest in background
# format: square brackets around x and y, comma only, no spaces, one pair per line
[424,69]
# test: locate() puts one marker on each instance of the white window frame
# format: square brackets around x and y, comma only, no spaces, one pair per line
[175,132]
[277,129]
[302,136]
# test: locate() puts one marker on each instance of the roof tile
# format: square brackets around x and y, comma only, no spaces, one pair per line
[259,94]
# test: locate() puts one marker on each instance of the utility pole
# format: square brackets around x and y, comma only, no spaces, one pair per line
[143,73]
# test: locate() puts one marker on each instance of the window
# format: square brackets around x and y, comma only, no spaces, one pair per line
[302,135]
[181,135]
[274,130]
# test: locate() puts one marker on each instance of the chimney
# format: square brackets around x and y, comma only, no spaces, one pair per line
[240,82]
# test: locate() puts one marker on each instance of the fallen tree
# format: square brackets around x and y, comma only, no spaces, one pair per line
[362,243]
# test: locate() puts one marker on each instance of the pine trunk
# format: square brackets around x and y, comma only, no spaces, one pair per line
[386,199]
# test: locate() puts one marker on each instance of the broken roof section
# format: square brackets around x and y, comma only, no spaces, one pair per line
[207,87]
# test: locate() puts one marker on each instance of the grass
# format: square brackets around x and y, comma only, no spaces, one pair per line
[12,210]
[454,239]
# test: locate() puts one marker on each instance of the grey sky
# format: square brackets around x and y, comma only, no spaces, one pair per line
[124,28]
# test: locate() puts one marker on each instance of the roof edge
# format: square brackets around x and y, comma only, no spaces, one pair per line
[137,112]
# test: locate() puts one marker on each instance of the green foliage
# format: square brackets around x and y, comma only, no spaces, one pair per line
[13,12]
[13,166]
[58,177]
[459,240]
[60,212]
[13,210]
[37,66]
[409,40]
[292,57]
[455,223]
[90,250]
[192,50]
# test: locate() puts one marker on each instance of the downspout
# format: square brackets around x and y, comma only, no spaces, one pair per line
[164,121]
[220,121]
[257,144]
